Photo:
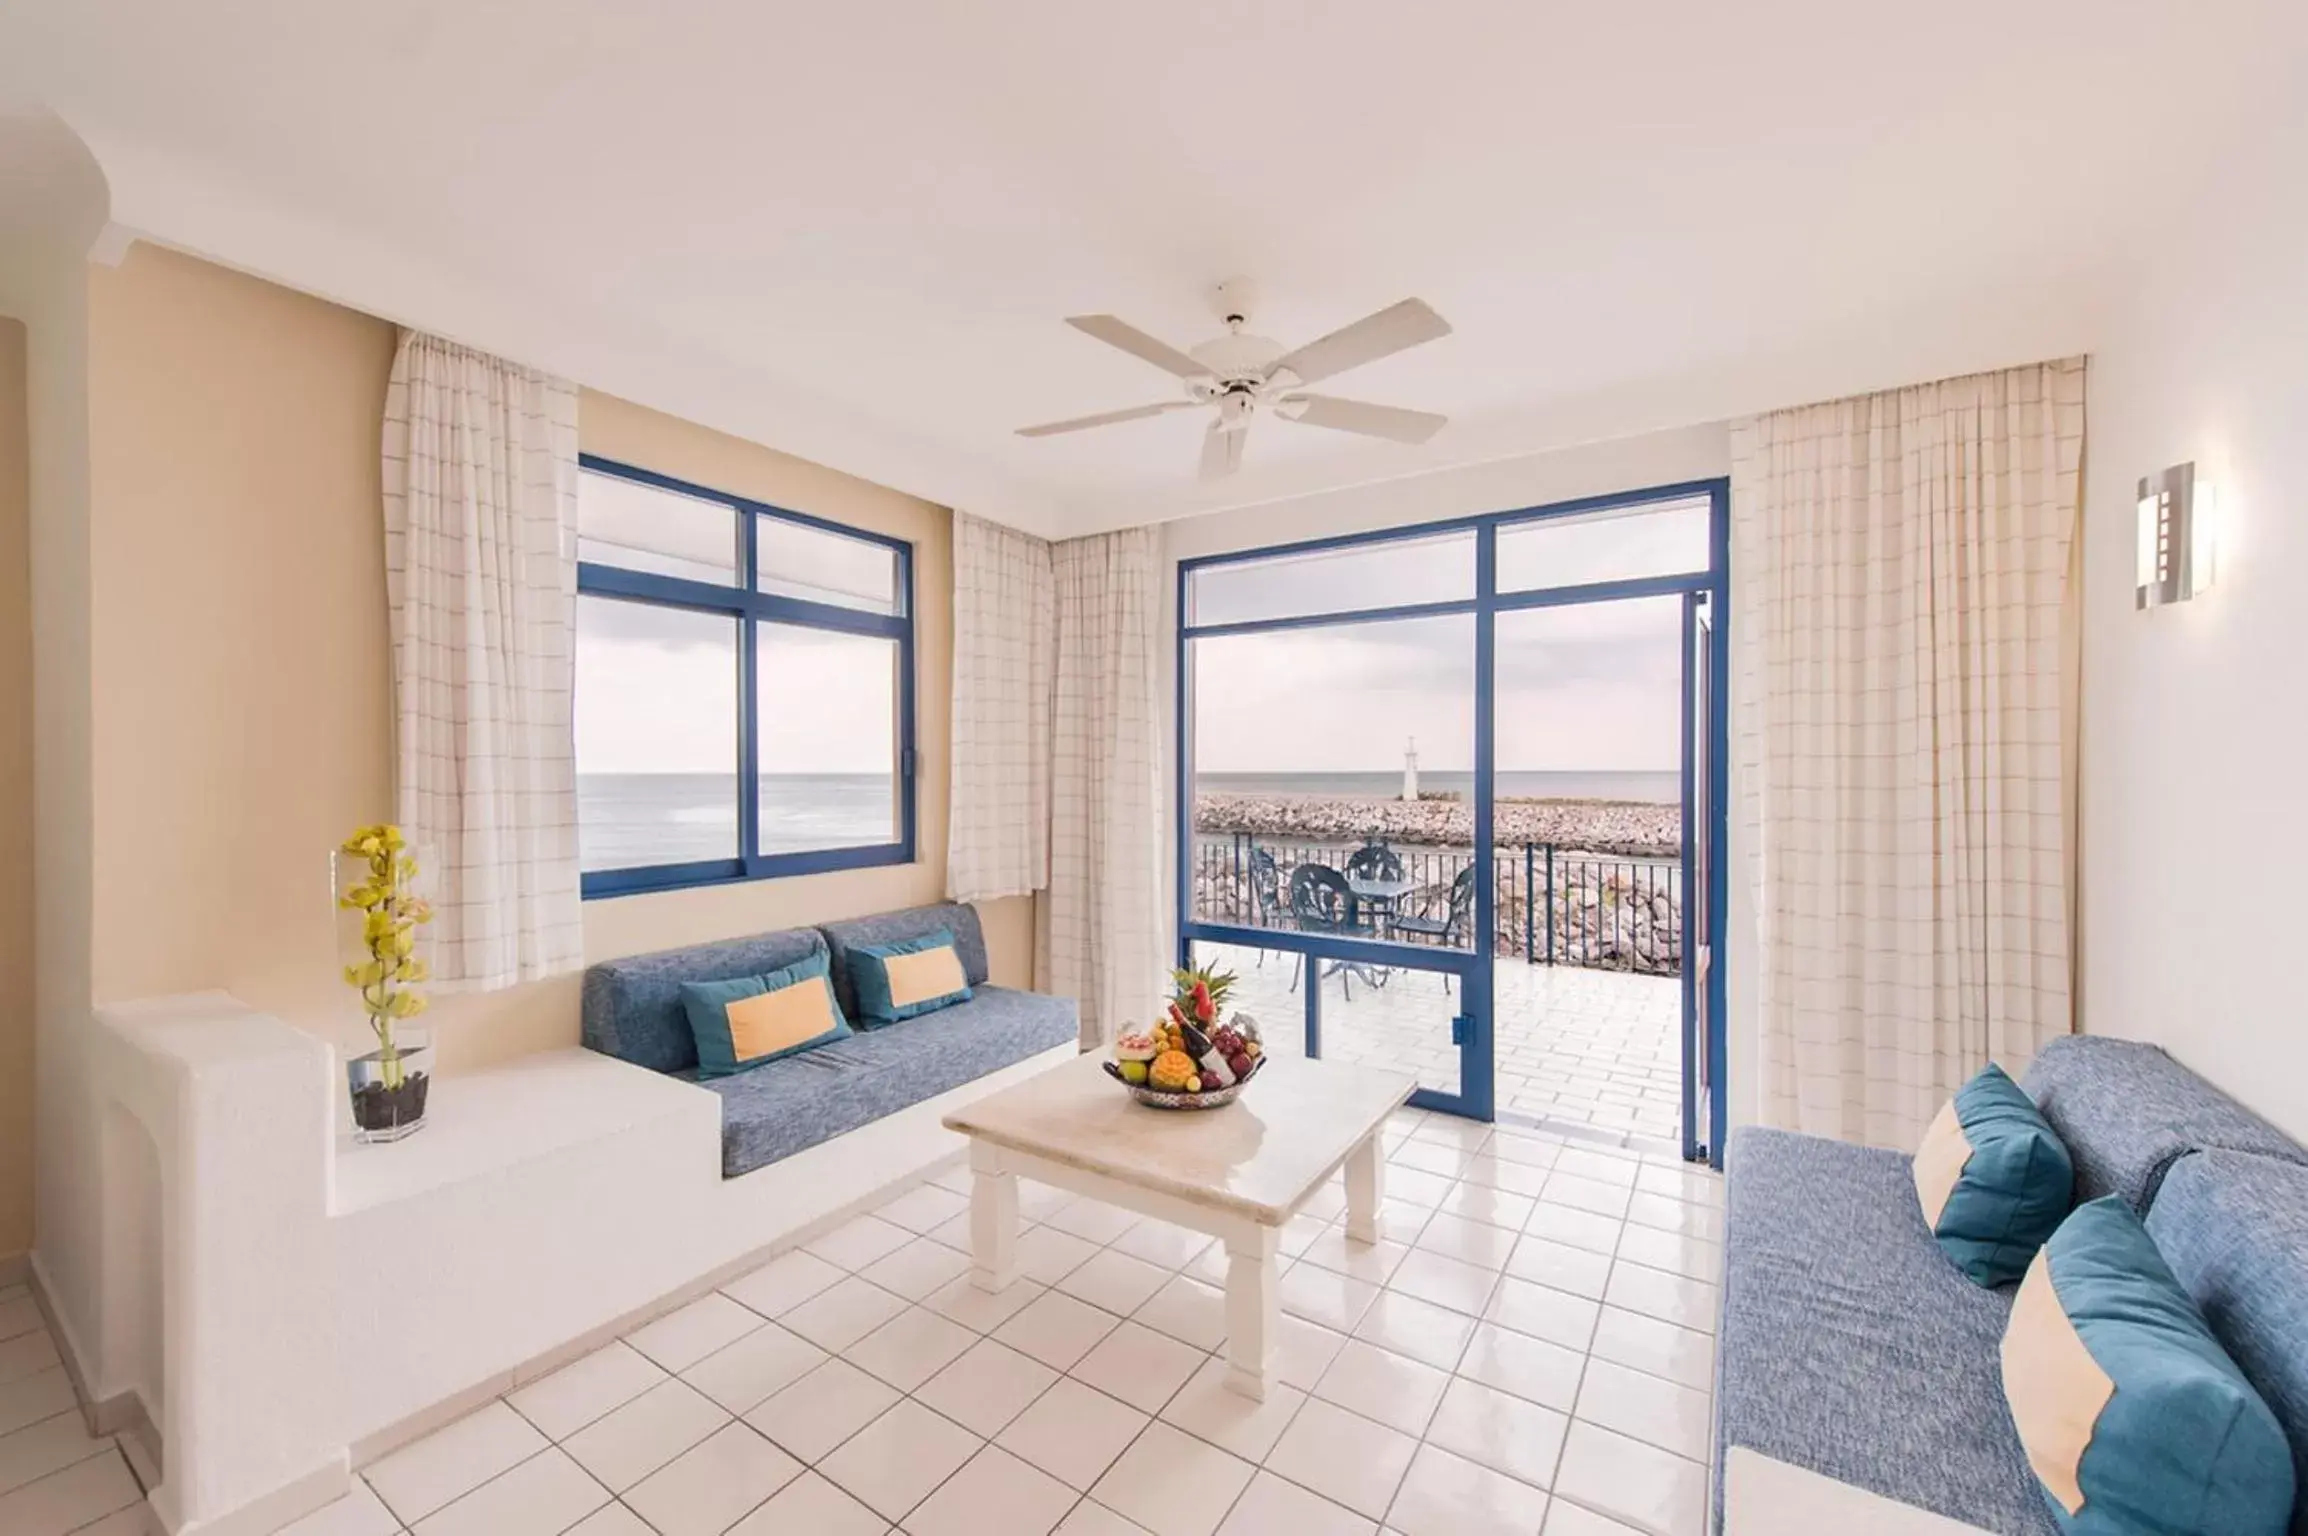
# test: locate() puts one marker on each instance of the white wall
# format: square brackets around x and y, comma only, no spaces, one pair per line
[1659,458]
[2195,825]
[52,207]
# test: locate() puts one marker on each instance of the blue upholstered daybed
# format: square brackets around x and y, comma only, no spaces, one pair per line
[632,1010]
[1850,1345]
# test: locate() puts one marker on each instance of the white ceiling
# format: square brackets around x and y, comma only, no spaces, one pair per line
[851,230]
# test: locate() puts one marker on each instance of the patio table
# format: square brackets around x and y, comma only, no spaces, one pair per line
[1380,895]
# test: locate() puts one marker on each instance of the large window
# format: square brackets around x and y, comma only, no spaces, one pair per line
[744,688]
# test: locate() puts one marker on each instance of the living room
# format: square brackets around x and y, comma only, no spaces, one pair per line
[639,745]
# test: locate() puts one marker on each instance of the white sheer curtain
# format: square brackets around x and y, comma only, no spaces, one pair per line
[1005,654]
[480,479]
[1100,933]
[1899,570]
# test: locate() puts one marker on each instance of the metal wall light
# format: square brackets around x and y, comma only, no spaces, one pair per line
[2176,545]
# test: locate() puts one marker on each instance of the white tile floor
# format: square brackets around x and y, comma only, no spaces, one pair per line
[55,1477]
[1528,1350]
[1587,1048]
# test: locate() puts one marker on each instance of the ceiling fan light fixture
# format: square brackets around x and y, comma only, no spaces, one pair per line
[1239,371]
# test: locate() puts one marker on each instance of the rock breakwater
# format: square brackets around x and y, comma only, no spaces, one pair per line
[1630,828]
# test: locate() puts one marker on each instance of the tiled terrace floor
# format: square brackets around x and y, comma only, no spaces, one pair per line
[1529,1350]
[1587,1048]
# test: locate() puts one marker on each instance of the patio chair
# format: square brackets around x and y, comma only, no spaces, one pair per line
[1320,903]
[1449,929]
[1266,894]
[1374,860]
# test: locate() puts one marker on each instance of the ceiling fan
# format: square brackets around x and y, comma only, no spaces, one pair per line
[1238,374]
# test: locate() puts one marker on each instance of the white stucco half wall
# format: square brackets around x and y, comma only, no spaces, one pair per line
[285,1304]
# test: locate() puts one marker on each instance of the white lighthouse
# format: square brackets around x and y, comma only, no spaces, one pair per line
[1410,770]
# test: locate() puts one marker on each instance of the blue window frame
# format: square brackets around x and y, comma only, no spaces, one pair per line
[684,591]
[1697,562]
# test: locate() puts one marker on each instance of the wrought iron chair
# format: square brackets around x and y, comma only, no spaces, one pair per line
[1374,860]
[1451,928]
[1319,903]
[1266,894]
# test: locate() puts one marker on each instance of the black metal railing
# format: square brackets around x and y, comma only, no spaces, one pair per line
[1553,905]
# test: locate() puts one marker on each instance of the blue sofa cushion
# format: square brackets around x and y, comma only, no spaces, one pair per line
[777,1110]
[1993,1178]
[2234,1229]
[1849,1344]
[2133,1416]
[754,1020]
[903,980]
[957,918]
[632,1007]
[2126,1110]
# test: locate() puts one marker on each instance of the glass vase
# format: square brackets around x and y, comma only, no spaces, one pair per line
[383,891]
[389,1095]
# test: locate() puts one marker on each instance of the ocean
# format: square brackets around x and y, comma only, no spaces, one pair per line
[630,820]
[1665,788]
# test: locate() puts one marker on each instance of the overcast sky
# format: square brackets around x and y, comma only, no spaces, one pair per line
[657,693]
[1593,687]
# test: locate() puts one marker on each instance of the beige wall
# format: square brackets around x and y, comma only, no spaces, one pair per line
[243,692]
[239,647]
[16,1017]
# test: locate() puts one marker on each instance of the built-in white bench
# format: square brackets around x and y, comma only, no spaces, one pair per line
[284,1304]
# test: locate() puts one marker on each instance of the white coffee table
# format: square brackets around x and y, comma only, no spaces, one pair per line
[1237,1173]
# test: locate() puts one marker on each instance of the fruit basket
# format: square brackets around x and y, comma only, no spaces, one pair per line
[1187,1059]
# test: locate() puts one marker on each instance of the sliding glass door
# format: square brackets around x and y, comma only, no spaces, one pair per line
[1431,779]
[1320,690]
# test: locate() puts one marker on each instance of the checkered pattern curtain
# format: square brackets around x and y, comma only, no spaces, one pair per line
[480,478]
[1899,570]
[1100,923]
[1005,652]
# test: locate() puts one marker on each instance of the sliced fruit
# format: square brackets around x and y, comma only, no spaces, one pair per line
[1172,1071]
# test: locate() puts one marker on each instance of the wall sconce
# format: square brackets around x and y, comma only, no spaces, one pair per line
[2176,545]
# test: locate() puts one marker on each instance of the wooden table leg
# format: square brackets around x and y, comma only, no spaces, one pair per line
[993,1220]
[1253,1310]
[1366,1187]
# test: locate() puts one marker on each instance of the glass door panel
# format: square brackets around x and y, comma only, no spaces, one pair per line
[1587,1007]
[1700,1135]
[1306,742]
[1398,1019]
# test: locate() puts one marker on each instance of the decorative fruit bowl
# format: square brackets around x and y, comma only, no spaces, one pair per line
[1208,1098]
[1187,1059]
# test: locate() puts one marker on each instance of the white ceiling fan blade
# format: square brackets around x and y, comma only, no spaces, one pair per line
[1120,333]
[1107,418]
[1391,330]
[1222,450]
[1388,421]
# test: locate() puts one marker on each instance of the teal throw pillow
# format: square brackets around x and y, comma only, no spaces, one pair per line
[913,976]
[2134,1419]
[742,1023]
[1994,1178]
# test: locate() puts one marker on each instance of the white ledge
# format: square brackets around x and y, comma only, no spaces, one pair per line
[482,1124]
